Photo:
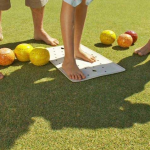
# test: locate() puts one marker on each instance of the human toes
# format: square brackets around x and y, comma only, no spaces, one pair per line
[77,76]
[82,76]
[140,53]
[93,58]
[136,51]
[54,42]
[1,76]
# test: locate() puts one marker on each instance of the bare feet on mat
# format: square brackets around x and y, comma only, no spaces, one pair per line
[72,70]
[85,56]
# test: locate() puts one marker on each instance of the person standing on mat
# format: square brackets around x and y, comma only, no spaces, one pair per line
[37,9]
[73,15]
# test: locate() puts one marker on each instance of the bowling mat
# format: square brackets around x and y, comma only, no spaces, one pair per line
[101,67]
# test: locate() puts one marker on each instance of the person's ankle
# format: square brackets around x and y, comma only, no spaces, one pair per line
[69,61]
[38,30]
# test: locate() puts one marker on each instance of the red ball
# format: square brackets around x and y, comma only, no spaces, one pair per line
[125,40]
[7,56]
[133,34]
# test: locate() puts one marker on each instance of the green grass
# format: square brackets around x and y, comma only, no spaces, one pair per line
[40,109]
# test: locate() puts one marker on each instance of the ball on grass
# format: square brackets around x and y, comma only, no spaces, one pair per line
[22,52]
[39,56]
[133,35]
[125,40]
[107,37]
[7,56]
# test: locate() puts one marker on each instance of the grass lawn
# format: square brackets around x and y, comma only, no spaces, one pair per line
[40,109]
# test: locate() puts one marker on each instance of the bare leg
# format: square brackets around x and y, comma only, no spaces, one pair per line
[80,16]
[143,50]
[39,32]
[67,28]
[1,35]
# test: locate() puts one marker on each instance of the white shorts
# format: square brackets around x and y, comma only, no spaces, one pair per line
[75,3]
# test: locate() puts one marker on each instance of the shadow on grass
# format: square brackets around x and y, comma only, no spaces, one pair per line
[102,45]
[118,48]
[44,92]
[13,45]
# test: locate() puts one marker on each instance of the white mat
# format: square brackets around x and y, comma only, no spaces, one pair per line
[101,67]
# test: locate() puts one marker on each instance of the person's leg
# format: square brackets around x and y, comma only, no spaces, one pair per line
[37,9]
[80,16]
[143,50]
[1,35]
[4,5]
[39,32]
[67,29]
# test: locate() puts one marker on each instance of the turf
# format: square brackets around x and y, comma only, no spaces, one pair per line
[40,109]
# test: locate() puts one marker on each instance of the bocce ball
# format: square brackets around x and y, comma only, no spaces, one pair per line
[7,56]
[22,52]
[125,40]
[107,37]
[133,34]
[39,56]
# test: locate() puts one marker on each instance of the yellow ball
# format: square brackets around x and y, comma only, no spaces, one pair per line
[22,52]
[107,37]
[39,56]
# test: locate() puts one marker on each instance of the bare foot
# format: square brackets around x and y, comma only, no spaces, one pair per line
[143,50]
[1,35]
[1,76]
[85,56]
[42,35]
[72,70]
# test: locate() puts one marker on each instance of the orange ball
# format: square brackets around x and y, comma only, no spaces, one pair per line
[7,56]
[125,40]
